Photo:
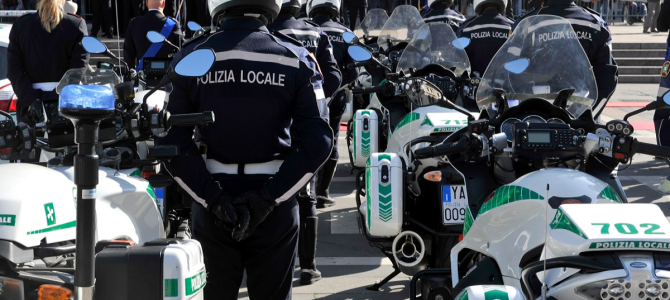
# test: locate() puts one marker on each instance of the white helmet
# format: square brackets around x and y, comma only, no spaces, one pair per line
[316,5]
[479,5]
[431,2]
[269,7]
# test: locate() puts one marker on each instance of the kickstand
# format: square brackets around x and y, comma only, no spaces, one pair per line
[377,286]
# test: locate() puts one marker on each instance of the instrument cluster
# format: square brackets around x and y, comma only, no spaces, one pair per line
[508,125]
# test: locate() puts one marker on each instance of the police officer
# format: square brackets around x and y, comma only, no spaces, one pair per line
[662,116]
[136,46]
[312,38]
[33,74]
[440,11]
[487,31]
[263,90]
[595,38]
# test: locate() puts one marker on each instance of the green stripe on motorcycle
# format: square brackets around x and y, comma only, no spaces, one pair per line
[495,293]
[508,194]
[464,296]
[561,221]
[611,194]
[410,117]
[467,223]
[54,228]
[368,192]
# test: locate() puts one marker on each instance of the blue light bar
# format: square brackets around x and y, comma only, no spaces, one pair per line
[86,97]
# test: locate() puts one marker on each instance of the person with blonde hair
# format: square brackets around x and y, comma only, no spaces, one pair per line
[42,47]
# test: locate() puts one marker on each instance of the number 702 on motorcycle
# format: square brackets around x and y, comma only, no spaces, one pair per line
[454,202]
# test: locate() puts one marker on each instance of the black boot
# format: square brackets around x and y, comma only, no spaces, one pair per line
[325,177]
[307,250]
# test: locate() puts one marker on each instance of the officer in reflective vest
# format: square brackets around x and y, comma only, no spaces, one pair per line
[595,38]
[270,137]
[136,46]
[440,11]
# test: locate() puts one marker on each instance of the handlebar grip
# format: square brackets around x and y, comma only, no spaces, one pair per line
[443,149]
[191,119]
[356,65]
[370,90]
[651,149]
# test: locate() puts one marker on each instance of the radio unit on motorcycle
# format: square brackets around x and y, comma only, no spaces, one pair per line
[540,136]
[155,68]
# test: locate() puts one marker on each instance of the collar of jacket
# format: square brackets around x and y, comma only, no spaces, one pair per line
[320,19]
[283,18]
[156,12]
[247,23]
[559,3]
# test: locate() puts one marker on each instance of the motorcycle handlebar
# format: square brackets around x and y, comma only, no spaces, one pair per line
[651,149]
[191,119]
[370,90]
[442,149]
[356,64]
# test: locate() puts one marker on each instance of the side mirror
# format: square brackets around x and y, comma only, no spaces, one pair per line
[155,37]
[349,37]
[461,43]
[194,64]
[193,26]
[93,45]
[517,66]
[359,53]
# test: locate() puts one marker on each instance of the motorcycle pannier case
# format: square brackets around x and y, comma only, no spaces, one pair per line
[159,269]
[366,136]
[383,208]
[486,292]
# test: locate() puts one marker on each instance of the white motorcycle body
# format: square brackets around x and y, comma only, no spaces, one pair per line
[39,207]
[591,217]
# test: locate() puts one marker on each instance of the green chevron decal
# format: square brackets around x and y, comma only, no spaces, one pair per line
[385,196]
[492,292]
[367,192]
[467,223]
[561,221]
[365,139]
[427,121]
[508,194]
[609,193]
[410,117]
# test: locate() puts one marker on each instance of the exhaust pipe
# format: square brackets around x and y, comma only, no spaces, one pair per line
[409,252]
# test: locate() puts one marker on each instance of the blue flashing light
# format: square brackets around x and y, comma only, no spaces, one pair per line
[85,97]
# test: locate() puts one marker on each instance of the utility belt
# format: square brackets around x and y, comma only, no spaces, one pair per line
[270,168]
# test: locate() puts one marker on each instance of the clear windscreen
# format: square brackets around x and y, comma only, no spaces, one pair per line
[435,44]
[542,57]
[401,26]
[87,76]
[372,24]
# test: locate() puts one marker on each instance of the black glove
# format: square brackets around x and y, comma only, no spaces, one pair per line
[36,111]
[236,216]
[260,207]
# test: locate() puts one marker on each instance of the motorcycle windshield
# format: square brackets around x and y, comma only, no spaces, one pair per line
[436,44]
[86,76]
[372,24]
[401,26]
[541,57]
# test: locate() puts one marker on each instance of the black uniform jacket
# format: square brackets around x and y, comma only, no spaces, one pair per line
[442,13]
[595,38]
[315,41]
[262,89]
[136,42]
[35,55]
[487,33]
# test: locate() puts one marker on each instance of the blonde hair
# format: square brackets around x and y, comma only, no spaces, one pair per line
[50,12]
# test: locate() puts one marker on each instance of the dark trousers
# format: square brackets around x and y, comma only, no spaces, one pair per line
[103,17]
[387,5]
[268,255]
[353,13]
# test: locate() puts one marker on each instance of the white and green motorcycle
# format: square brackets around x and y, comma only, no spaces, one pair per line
[552,220]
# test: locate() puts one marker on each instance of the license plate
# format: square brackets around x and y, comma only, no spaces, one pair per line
[454,202]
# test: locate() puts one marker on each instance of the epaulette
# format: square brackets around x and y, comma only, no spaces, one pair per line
[310,22]
[592,11]
[76,15]
[195,38]
[287,38]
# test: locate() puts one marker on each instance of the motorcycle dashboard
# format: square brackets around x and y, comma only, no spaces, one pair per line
[533,111]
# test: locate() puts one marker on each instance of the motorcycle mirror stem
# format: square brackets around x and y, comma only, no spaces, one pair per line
[156,38]
[448,104]
[661,102]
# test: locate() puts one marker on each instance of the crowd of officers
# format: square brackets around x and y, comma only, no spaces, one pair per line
[273,137]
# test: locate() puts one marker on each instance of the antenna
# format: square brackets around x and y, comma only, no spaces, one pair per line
[546,233]
[118,35]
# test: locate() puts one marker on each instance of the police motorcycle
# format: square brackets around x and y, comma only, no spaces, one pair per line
[39,223]
[393,194]
[546,216]
[371,27]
